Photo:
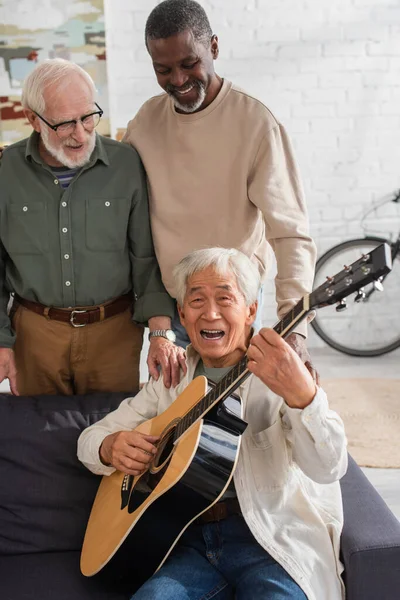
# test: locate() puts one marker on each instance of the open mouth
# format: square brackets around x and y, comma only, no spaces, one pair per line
[212,334]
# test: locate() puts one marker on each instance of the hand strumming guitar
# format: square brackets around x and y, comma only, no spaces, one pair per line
[128,451]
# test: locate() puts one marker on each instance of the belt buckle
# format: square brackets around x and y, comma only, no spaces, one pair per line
[71,319]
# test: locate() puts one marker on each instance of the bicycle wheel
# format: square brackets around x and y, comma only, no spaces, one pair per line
[367,328]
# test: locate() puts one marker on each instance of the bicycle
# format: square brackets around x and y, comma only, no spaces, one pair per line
[371,325]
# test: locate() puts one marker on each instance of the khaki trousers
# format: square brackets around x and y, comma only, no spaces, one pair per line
[55,358]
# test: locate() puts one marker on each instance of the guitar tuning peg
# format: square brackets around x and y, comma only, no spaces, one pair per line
[378,285]
[360,295]
[341,306]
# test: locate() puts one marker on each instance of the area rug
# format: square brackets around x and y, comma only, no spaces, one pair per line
[370,409]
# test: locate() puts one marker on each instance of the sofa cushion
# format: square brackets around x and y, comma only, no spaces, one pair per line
[45,493]
[53,576]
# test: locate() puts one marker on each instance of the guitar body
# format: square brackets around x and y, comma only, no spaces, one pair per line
[184,480]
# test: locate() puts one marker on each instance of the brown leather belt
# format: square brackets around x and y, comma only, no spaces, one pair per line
[79,317]
[220,511]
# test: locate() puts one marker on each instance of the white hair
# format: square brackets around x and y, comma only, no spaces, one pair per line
[49,72]
[224,261]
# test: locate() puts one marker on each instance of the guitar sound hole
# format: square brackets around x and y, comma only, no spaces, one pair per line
[164,452]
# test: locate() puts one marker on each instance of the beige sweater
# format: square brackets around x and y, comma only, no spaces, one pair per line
[225,176]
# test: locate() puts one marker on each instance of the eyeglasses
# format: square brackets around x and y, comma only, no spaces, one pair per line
[66,128]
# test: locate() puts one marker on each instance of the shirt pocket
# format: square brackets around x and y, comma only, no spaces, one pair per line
[26,228]
[107,222]
[269,458]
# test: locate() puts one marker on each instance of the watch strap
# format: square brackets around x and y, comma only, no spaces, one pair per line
[160,333]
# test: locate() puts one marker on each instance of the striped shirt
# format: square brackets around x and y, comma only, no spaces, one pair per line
[64,175]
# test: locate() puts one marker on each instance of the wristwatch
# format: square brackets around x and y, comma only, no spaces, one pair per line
[165,333]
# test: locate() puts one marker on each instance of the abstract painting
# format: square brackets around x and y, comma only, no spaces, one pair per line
[32,31]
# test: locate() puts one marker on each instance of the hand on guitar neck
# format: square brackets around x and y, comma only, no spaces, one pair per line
[281,369]
[128,451]
[298,343]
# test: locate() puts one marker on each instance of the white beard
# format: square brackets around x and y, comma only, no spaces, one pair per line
[190,108]
[60,155]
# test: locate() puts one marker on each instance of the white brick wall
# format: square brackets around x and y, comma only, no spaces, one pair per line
[330,71]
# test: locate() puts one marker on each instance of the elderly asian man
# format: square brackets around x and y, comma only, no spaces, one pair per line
[283,513]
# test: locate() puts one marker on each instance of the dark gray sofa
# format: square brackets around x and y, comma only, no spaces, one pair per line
[46,496]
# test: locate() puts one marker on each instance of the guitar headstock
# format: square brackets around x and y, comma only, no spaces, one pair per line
[369,267]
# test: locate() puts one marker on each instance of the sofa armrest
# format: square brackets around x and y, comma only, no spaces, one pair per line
[370,540]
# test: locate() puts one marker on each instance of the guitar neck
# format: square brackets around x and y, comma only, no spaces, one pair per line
[293,317]
[239,373]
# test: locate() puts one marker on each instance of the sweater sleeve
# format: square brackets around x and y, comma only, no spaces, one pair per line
[275,188]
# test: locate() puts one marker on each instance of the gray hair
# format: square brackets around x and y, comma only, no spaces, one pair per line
[224,261]
[55,70]
[175,16]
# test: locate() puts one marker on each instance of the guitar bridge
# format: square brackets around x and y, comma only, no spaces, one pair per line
[126,488]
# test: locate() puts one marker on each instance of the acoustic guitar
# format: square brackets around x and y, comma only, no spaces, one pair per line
[200,435]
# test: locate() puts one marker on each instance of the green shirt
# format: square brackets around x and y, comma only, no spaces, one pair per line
[213,373]
[81,246]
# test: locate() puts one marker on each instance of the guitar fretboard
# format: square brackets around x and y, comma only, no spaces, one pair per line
[232,380]
[284,326]
[223,388]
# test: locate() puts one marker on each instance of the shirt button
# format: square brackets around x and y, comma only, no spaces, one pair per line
[56,181]
[107,203]
[63,204]
[66,256]
[25,208]
[64,230]
[67,283]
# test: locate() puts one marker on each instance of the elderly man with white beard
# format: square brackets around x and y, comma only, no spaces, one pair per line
[76,250]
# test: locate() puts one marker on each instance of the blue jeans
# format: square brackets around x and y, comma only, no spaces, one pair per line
[221,561]
[182,338]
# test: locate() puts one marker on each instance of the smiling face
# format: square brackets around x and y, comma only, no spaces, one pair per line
[64,103]
[216,318]
[184,68]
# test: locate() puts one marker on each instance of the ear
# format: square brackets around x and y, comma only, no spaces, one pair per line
[251,313]
[33,119]
[214,47]
[181,314]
